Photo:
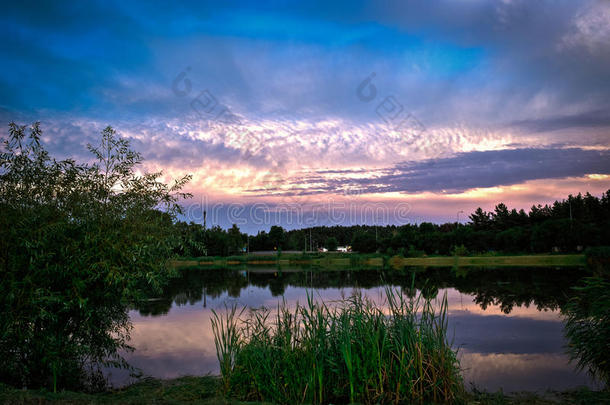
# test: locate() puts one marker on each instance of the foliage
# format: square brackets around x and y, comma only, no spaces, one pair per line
[331,244]
[236,242]
[588,327]
[194,240]
[460,250]
[354,352]
[600,252]
[364,242]
[414,252]
[276,236]
[79,241]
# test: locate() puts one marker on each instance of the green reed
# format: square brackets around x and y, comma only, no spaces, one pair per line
[351,351]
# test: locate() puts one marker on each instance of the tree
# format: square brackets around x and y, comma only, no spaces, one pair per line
[79,243]
[217,241]
[331,244]
[192,240]
[500,217]
[480,220]
[513,240]
[236,242]
[276,236]
[364,242]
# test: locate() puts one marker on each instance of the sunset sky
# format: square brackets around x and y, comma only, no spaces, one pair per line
[402,110]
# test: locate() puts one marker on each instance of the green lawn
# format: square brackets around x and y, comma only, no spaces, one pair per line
[355,260]
[515,261]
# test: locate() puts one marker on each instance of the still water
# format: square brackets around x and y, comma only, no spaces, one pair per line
[507,324]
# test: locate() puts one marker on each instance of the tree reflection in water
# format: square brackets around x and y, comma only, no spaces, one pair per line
[586,307]
[547,289]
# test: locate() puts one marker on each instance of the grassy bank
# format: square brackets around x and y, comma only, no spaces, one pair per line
[356,261]
[202,390]
[334,260]
[495,261]
[205,390]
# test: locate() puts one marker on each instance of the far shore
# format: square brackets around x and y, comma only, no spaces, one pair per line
[347,260]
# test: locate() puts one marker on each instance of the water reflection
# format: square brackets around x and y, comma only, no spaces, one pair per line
[506,323]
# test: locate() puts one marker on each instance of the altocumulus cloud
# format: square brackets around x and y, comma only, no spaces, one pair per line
[481,76]
[468,170]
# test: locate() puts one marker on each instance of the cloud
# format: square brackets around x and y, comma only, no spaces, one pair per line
[589,119]
[483,78]
[590,29]
[464,171]
[483,63]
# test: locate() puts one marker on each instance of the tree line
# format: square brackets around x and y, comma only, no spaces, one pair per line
[569,225]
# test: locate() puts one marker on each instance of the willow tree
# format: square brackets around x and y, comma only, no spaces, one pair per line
[79,242]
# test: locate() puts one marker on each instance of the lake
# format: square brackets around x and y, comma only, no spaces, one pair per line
[506,323]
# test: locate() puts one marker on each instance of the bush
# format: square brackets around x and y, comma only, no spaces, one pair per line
[598,259]
[414,252]
[587,327]
[460,250]
[600,252]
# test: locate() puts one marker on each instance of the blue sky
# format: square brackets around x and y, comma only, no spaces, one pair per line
[260,102]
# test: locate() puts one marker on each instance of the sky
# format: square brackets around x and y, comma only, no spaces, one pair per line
[322,113]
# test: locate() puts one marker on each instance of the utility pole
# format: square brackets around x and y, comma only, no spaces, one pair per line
[376,225]
[570,204]
[310,241]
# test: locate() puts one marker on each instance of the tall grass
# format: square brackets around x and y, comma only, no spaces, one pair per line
[350,352]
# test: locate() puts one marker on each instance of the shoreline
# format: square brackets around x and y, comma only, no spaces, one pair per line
[204,390]
[342,260]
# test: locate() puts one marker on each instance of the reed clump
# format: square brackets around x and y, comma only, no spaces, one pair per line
[352,351]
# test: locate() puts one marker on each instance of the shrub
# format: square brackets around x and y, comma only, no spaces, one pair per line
[414,252]
[460,250]
[587,327]
[598,259]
